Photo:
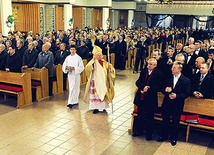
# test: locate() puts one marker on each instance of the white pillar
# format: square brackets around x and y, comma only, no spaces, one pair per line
[105,17]
[6,10]
[67,16]
[130,17]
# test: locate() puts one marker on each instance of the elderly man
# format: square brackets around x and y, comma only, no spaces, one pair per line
[3,57]
[191,56]
[149,83]
[99,90]
[46,60]
[30,56]
[178,50]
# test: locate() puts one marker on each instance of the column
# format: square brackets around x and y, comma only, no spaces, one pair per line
[130,17]
[67,16]
[104,18]
[6,10]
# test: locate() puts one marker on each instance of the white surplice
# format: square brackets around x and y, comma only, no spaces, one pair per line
[73,76]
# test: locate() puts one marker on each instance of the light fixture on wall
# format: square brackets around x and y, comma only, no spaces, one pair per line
[165,1]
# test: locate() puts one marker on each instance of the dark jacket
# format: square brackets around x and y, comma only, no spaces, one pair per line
[206,88]
[13,62]
[182,91]
[83,52]
[30,57]
[3,59]
[60,57]
[154,83]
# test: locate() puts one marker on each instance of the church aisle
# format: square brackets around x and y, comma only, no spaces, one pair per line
[50,128]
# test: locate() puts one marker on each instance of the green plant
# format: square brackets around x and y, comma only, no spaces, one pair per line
[108,21]
[71,21]
[10,20]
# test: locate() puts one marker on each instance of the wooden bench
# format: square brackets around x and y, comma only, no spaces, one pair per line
[192,105]
[58,80]
[39,79]
[18,84]
[203,107]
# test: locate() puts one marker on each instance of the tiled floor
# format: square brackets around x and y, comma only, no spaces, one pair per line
[50,128]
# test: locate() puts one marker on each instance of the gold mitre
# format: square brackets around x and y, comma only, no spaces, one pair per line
[97,50]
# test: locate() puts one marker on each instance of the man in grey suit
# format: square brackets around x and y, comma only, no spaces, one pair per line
[45,60]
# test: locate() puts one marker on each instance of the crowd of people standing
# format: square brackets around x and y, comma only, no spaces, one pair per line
[188,65]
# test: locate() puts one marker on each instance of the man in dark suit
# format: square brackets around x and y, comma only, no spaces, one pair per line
[199,51]
[30,56]
[61,54]
[178,49]
[120,53]
[60,58]
[13,63]
[210,61]
[191,56]
[83,50]
[3,57]
[39,40]
[20,49]
[141,54]
[176,89]
[103,45]
[161,65]
[205,83]
[149,83]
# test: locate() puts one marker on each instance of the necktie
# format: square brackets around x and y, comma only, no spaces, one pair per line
[202,77]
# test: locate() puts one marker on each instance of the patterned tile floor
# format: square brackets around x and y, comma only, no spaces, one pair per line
[50,128]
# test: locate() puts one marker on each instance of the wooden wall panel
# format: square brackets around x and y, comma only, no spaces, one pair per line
[78,17]
[28,17]
[31,17]
[18,14]
[59,15]
[97,18]
[111,17]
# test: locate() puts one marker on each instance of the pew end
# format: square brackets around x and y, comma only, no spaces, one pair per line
[10,81]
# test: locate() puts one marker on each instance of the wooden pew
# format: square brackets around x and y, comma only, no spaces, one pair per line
[39,79]
[20,80]
[58,80]
[203,107]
